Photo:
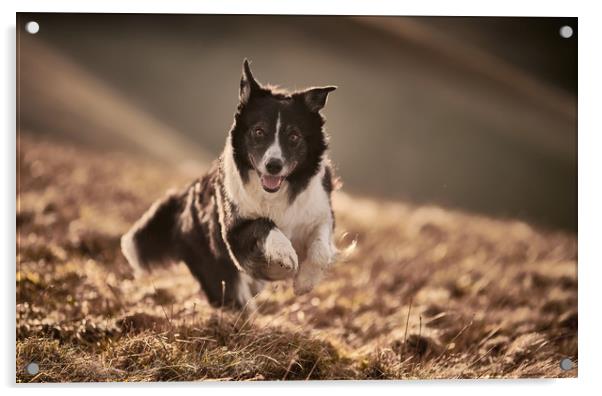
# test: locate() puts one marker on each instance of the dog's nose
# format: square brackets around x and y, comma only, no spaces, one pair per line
[274,166]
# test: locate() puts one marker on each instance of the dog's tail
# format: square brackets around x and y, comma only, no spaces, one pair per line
[151,240]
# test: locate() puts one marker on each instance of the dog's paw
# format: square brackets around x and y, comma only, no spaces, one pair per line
[281,258]
[307,278]
[320,256]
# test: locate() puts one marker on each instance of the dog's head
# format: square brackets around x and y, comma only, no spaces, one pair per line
[278,137]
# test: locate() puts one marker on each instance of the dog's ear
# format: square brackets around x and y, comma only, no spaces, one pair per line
[248,85]
[315,98]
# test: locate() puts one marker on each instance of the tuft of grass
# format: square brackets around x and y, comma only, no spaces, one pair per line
[230,349]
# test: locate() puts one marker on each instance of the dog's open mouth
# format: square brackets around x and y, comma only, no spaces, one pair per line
[271,183]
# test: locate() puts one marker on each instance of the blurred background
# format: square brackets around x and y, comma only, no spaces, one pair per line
[472,113]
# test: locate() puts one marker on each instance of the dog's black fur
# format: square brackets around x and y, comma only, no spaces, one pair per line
[210,227]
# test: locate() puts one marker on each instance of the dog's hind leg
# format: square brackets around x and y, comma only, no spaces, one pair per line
[223,284]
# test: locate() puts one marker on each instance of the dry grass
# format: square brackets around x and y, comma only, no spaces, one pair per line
[429,293]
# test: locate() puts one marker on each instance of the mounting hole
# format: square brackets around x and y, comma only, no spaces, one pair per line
[566,364]
[32,27]
[566,32]
[32,368]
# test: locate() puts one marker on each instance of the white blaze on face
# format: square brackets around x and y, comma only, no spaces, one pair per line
[274,151]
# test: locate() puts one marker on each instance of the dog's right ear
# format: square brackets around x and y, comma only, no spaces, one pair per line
[248,85]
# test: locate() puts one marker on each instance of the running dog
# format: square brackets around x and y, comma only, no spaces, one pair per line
[261,213]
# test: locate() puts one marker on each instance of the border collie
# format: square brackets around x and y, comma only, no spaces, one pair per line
[261,213]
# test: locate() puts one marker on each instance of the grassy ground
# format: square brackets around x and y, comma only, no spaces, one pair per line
[429,293]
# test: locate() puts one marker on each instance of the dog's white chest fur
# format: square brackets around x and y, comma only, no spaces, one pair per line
[297,219]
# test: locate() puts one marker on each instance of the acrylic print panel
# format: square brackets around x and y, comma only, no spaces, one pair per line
[295,197]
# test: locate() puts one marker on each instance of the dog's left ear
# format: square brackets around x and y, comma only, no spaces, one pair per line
[315,98]
[248,85]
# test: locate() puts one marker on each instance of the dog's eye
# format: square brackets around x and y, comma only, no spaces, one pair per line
[294,138]
[258,133]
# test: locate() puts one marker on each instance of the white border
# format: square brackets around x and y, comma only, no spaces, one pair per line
[590,192]
[350,7]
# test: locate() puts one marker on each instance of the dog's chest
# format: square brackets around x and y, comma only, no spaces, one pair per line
[297,219]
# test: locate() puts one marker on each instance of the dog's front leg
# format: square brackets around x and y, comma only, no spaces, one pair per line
[262,250]
[321,254]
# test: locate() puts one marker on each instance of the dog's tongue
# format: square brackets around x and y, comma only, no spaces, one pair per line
[271,182]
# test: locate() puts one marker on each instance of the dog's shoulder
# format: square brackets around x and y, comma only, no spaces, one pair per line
[330,180]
